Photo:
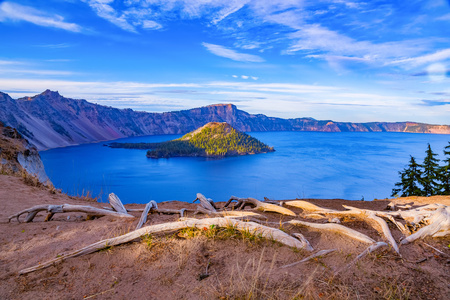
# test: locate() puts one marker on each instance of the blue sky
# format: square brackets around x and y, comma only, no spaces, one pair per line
[343,60]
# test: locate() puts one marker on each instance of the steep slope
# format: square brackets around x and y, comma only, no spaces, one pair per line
[17,155]
[49,120]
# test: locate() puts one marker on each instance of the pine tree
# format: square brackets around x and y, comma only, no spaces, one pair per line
[430,177]
[444,173]
[410,177]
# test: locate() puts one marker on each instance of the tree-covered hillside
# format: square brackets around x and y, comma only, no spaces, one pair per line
[212,140]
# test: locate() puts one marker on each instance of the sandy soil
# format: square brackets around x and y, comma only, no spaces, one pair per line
[170,267]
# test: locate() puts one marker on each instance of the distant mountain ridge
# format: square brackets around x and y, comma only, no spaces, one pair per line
[49,120]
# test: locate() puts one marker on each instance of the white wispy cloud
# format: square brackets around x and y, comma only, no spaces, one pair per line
[233,7]
[445,17]
[232,54]
[334,47]
[149,24]
[55,46]
[104,10]
[17,12]
[10,62]
[426,59]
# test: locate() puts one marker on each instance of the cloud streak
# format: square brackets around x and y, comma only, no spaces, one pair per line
[231,54]
[16,12]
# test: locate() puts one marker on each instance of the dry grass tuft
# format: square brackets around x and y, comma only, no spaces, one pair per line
[31,180]
[254,280]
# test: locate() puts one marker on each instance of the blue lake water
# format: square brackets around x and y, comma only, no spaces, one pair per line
[305,165]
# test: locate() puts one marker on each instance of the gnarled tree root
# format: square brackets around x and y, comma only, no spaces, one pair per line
[66,208]
[306,245]
[143,219]
[378,223]
[368,250]
[261,206]
[116,204]
[254,228]
[319,253]
[335,228]
[439,225]
[206,203]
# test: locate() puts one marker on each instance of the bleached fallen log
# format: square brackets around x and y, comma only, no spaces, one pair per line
[335,228]
[368,250]
[206,203]
[258,205]
[254,228]
[116,204]
[306,245]
[439,225]
[320,253]
[148,207]
[66,208]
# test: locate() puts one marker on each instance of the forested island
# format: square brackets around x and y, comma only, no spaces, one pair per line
[214,139]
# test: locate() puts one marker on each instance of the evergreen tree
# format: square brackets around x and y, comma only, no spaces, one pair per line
[430,177]
[410,177]
[444,173]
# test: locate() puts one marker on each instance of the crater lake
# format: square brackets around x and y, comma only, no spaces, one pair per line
[351,166]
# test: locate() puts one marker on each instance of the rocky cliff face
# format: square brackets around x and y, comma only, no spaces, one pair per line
[17,155]
[49,120]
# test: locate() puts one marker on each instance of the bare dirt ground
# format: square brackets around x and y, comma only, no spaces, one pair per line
[239,266]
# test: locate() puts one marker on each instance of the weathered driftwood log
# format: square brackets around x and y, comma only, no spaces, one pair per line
[319,253]
[254,228]
[258,205]
[206,203]
[368,250]
[66,208]
[143,219]
[439,225]
[335,228]
[116,203]
[306,245]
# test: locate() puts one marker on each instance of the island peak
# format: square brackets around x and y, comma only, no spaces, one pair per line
[214,139]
